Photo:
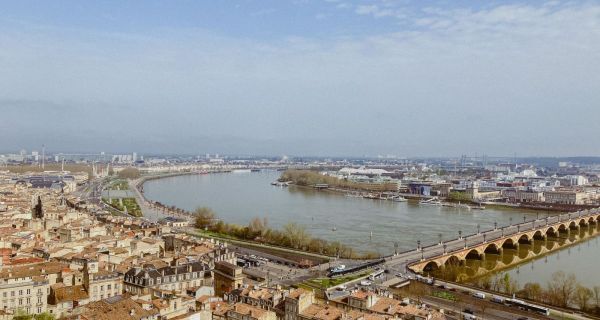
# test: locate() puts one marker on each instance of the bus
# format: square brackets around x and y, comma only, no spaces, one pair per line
[375,274]
[424,280]
[527,306]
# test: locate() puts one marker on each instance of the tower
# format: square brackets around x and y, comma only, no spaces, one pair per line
[37,211]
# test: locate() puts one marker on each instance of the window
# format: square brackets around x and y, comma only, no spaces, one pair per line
[28,291]
[102,288]
[12,293]
[108,287]
[20,292]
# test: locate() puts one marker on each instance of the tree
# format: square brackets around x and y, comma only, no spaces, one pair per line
[596,290]
[582,296]
[562,288]
[532,290]
[258,226]
[205,217]
[297,234]
[418,291]
[129,173]
[22,315]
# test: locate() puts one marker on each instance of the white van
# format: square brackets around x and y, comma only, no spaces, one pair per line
[479,295]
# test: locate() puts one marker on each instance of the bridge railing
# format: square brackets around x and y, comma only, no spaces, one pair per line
[558,218]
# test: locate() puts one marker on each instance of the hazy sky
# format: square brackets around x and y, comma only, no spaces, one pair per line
[304,77]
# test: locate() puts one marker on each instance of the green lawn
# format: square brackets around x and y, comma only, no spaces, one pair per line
[119,185]
[132,206]
[130,203]
[325,283]
[444,295]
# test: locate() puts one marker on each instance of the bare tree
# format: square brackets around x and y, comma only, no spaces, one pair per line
[129,173]
[562,288]
[296,234]
[596,290]
[532,290]
[258,225]
[582,296]
[205,217]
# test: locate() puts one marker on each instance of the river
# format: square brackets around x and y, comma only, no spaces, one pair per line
[239,197]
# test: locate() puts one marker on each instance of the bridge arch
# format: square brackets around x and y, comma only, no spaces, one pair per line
[524,238]
[452,261]
[583,222]
[591,219]
[573,225]
[431,266]
[509,244]
[539,235]
[492,248]
[474,254]
[551,231]
[562,228]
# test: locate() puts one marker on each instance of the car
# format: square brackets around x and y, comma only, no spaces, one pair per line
[479,295]
[467,310]
[366,283]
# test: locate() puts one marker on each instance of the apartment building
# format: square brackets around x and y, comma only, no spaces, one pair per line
[101,284]
[565,197]
[27,287]
[145,280]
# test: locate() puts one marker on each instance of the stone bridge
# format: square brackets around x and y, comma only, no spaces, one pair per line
[497,240]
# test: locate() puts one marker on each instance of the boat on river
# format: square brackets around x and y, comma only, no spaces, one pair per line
[431,202]
[399,199]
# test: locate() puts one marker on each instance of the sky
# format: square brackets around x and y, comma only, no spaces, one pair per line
[301,77]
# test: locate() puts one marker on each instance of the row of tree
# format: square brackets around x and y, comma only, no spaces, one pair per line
[563,290]
[291,235]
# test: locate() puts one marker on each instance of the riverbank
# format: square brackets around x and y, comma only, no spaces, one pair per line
[287,253]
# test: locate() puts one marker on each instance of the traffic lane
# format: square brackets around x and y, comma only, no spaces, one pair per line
[462,290]
[494,314]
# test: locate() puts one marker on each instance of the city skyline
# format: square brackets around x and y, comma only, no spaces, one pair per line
[322,78]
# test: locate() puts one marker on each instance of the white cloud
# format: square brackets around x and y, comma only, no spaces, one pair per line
[499,80]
